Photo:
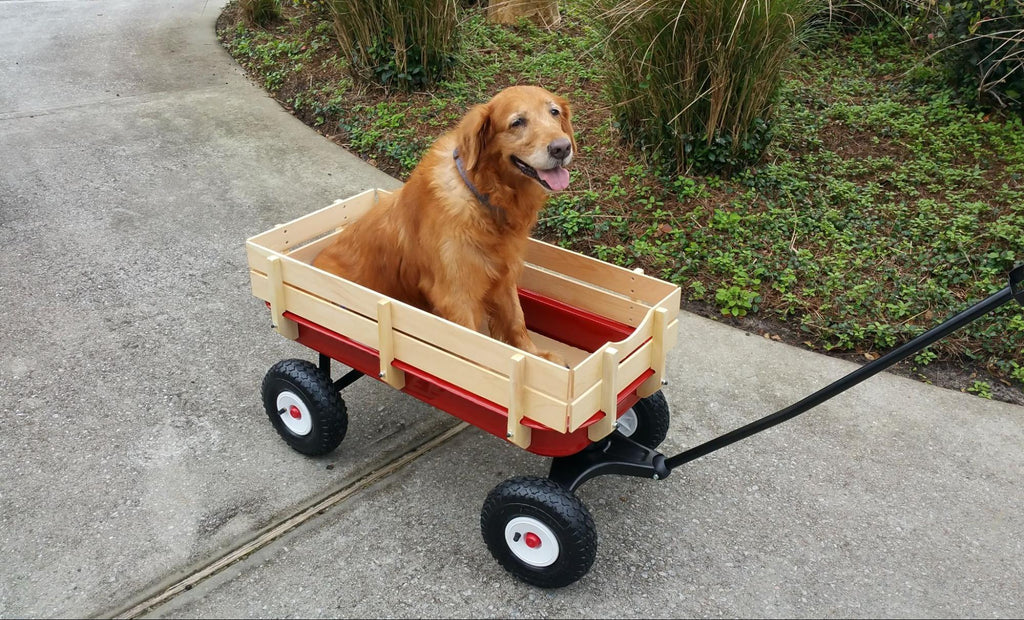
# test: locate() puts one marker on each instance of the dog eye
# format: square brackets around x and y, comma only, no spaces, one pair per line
[519,122]
[555,111]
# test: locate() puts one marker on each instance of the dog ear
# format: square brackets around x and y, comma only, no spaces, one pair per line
[474,131]
[566,119]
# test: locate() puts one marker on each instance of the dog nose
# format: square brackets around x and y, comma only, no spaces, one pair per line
[560,148]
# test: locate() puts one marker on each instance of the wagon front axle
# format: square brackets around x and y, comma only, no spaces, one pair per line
[615,454]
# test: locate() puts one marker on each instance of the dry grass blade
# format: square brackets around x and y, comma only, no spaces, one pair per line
[706,69]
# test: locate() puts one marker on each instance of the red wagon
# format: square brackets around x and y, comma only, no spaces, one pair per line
[602,415]
[612,325]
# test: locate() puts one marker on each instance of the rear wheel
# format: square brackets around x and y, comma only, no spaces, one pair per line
[539,531]
[304,407]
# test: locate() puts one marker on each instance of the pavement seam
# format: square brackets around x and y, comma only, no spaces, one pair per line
[296,520]
[112,102]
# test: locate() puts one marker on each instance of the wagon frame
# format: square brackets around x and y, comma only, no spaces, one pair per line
[615,328]
[603,414]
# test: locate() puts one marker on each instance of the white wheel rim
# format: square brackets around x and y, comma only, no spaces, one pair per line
[628,423]
[531,541]
[294,413]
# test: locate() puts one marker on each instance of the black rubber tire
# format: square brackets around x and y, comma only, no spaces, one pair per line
[553,505]
[316,390]
[652,420]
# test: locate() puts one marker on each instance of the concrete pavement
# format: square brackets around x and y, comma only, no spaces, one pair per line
[896,500]
[136,159]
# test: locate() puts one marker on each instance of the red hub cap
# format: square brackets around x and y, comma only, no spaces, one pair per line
[295,413]
[532,540]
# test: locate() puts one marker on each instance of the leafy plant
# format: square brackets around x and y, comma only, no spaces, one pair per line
[984,49]
[981,388]
[383,130]
[569,215]
[736,301]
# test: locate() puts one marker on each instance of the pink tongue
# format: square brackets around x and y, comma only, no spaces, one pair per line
[557,178]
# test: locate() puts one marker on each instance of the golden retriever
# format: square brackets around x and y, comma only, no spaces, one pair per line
[451,240]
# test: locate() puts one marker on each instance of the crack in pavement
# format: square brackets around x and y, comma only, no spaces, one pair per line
[286,525]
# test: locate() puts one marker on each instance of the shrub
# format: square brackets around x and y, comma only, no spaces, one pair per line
[260,12]
[693,81]
[407,44]
[858,14]
[984,50]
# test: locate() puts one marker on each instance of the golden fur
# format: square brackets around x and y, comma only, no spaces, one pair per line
[434,245]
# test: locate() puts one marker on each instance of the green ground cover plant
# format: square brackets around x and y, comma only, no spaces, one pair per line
[884,203]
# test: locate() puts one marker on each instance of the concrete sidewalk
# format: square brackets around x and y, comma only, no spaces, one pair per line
[135,160]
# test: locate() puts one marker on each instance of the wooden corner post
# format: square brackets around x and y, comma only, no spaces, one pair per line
[284,326]
[659,336]
[517,433]
[386,346]
[609,396]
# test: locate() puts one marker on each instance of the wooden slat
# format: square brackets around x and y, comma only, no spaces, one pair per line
[308,252]
[307,227]
[458,371]
[588,373]
[300,275]
[330,316]
[605,275]
[483,382]
[484,350]
[671,302]
[581,295]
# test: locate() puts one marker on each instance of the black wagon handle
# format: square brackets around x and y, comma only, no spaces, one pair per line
[1015,291]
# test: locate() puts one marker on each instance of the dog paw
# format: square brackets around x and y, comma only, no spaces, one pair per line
[553,357]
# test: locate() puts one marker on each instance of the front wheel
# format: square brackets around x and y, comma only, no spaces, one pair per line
[539,531]
[647,421]
[304,407]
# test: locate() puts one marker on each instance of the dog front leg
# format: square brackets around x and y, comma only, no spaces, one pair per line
[508,323]
[461,309]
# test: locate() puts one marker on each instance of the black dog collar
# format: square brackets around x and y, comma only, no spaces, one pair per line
[497,212]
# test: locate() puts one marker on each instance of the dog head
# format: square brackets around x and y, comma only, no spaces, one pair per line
[524,134]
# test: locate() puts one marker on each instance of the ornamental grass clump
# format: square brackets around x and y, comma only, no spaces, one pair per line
[405,44]
[693,81]
[260,12]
